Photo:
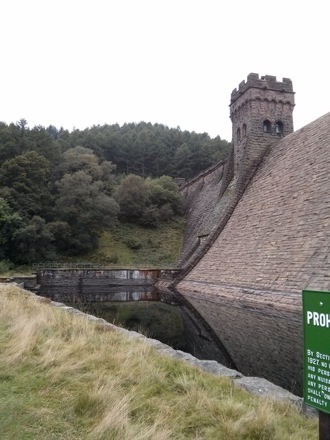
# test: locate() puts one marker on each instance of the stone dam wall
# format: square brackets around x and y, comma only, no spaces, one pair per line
[247,283]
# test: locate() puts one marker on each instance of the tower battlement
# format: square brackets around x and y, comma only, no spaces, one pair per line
[267,82]
[261,113]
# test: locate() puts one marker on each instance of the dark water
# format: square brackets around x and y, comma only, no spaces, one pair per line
[162,316]
[166,317]
[154,319]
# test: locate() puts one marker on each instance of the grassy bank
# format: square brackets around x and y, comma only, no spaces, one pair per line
[63,377]
[130,244]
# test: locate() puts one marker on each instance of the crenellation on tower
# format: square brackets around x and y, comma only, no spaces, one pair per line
[261,113]
[267,82]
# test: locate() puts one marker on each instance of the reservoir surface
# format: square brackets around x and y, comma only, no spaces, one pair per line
[144,309]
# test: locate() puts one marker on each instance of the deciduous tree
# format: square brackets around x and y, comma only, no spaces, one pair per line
[24,183]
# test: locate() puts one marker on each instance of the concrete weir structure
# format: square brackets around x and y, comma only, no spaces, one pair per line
[258,232]
[85,285]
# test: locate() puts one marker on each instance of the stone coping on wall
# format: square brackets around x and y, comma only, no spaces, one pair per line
[255,385]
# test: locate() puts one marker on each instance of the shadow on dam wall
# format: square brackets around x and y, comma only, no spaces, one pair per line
[128,298]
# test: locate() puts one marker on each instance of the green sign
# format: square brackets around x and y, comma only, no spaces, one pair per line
[316,311]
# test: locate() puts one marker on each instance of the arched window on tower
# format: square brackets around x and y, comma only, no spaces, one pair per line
[267,126]
[238,134]
[279,127]
[244,130]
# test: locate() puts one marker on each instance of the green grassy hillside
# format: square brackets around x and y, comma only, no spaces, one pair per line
[132,245]
[126,245]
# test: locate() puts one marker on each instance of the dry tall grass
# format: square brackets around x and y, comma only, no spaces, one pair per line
[63,377]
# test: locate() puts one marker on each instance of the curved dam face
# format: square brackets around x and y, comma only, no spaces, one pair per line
[247,280]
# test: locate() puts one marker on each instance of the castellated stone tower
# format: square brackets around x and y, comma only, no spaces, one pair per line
[261,113]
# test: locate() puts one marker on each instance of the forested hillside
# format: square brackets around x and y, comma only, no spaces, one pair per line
[147,149]
[59,190]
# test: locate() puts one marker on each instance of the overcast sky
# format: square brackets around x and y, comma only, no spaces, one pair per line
[78,63]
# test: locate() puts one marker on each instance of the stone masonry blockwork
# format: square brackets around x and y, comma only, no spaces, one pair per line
[266,232]
[276,243]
